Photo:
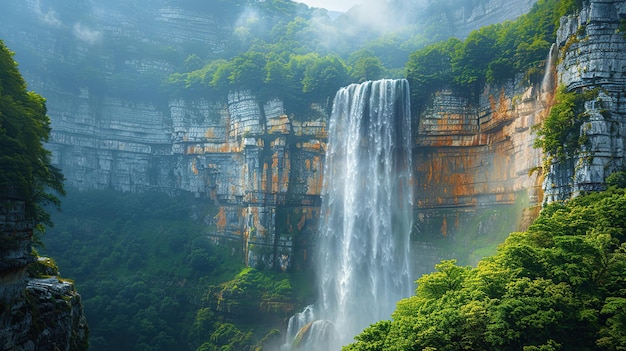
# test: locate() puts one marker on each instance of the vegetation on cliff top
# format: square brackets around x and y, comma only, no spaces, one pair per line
[492,54]
[26,171]
[558,286]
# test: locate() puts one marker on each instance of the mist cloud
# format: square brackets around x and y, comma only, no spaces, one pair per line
[367,19]
[85,34]
[50,17]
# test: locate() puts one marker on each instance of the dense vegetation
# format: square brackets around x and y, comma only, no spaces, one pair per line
[492,54]
[152,279]
[302,57]
[559,135]
[558,286]
[25,166]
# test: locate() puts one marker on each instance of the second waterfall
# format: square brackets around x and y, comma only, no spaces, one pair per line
[362,253]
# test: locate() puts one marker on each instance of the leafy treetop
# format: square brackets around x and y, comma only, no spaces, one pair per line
[24,127]
[494,53]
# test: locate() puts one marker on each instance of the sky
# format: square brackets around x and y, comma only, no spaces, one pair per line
[332,5]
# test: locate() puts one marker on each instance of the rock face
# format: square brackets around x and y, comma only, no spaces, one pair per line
[474,170]
[260,166]
[263,167]
[486,12]
[37,313]
[592,46]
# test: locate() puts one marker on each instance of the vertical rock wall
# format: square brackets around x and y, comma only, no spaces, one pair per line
[592,49]
[475,169]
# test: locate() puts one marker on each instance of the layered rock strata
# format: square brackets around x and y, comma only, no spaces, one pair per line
[263,167]
[476,169]
[592,48]
[484,13]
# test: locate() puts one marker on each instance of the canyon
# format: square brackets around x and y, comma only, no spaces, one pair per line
[476,174]
[260,164]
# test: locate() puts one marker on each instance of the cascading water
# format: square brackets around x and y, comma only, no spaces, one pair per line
[362,259]
[547,83]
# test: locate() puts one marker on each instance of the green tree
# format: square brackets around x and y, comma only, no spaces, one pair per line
[324,77]
[24,128]
[430,69]
[367,68]
[248,71]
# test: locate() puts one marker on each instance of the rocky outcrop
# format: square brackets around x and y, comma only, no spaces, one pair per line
[39,310]
[592,46]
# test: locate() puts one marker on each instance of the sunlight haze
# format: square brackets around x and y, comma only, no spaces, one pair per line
[331,5]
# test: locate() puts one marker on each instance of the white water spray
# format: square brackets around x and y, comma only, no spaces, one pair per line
[547,83]
[362,253]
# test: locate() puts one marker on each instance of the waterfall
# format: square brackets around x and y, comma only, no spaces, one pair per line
[547,83]
[362,253]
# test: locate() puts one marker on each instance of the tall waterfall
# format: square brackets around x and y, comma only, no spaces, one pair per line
[362,253]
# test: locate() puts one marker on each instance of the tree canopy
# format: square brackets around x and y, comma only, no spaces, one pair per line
[491,54]
[558,286]
[24,126]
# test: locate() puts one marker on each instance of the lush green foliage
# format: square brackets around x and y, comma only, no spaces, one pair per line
[148,274]
[302,57]
[24,127]
[558,286]
[559,134]
[492,54]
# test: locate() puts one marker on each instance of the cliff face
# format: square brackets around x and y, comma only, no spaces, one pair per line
[262,166]
[475,174]
[474,161]
[486,12]
[592,46]
[38,313]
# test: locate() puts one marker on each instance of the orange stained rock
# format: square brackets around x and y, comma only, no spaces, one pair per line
[313,145]
[286,169]
[221,219]
[264,178]
[209,133]
[462,184]
[194,169]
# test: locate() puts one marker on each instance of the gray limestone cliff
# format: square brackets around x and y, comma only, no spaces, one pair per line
[475,160]
[258,163]
[486,12]
[261,165]
[39,311]
[592,48]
